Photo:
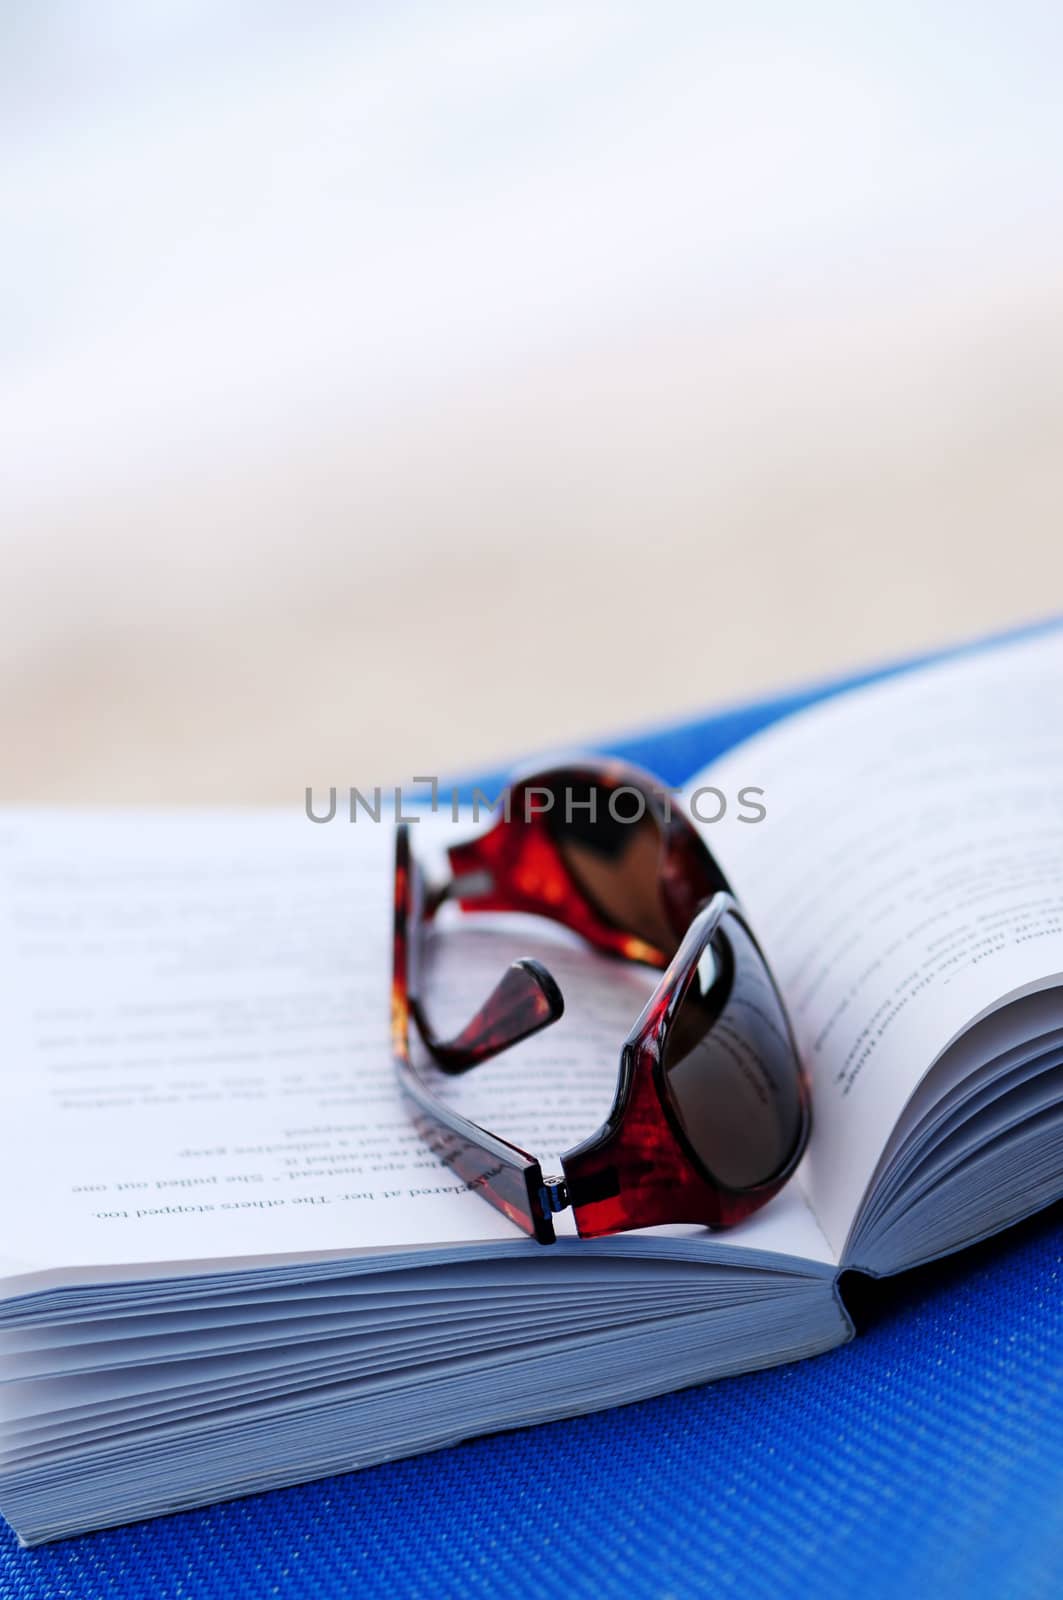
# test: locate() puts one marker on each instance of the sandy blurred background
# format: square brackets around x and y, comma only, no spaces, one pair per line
[387,389]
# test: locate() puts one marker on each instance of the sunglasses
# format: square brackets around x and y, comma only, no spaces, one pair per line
[711,1112]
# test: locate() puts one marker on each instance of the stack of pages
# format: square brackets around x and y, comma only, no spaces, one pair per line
[230,1263]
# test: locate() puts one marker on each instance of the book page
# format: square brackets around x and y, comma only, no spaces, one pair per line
[194,1053]
[907,878]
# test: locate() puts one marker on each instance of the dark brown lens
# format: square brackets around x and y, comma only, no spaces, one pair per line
[730,1067]
[610,843]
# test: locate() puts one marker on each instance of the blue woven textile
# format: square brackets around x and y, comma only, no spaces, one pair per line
[925,1459]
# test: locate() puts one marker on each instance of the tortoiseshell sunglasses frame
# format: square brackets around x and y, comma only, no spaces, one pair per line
[638,1170]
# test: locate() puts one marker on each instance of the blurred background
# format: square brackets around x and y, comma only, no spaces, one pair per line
[390,388]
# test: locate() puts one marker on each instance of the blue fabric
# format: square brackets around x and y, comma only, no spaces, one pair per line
[925,1459]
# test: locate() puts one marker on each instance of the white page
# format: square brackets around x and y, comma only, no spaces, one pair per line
[195,1060]
[908,877]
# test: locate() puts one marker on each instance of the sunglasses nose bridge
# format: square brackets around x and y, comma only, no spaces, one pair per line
[525,1000]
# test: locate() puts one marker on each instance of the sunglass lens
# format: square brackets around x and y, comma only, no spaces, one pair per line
[610,843]
[731,1072]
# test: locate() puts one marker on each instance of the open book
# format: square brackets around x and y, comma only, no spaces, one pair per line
[228,1262]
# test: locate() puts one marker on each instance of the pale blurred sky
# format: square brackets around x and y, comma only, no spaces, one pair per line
[334,334]
[220,216]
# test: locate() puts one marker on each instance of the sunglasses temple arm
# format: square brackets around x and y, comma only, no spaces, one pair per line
[525,1000]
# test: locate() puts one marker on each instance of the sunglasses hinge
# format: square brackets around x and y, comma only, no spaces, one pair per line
[554,1188]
